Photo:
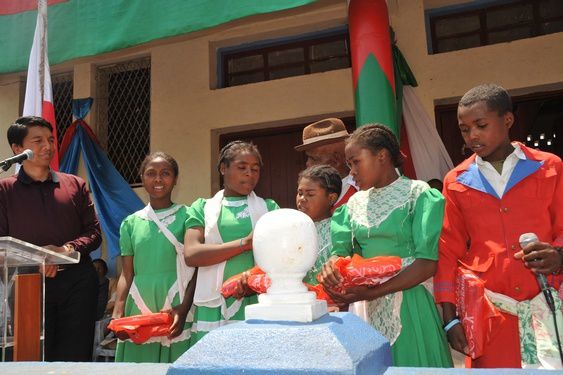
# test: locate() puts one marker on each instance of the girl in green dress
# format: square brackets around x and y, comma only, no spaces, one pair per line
[154,275]
[318,189]
[392,215]
[219,238]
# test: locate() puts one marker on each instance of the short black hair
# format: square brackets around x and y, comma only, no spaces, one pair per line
[163,155]
[495,96]
[19,129]
[103,263]
[324,175]
[230,151]
[376,137]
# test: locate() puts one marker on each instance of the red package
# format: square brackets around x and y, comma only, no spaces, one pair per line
[259,283]
[320,292]
[367,271]
[140,328]
[230,285]
[478,315]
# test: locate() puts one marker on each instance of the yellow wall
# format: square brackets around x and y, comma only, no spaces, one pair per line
[521,66]
[188,113]
[10,91]
[185,108]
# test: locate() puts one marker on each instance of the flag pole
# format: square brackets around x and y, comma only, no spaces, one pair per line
[38,91]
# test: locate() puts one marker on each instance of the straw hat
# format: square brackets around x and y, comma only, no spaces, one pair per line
[330,130]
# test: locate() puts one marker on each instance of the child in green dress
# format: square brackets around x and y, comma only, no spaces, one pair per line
[219,238]
[392,215]
[154,275]
[318,189]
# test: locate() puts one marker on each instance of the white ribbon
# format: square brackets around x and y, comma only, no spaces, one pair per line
[538,342]
[184,273]
[210,278]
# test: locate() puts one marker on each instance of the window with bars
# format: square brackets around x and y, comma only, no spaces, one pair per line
[62,101]
[124,114]
[461,27]
[301,55]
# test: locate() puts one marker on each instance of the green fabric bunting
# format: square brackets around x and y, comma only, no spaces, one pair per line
[79,28]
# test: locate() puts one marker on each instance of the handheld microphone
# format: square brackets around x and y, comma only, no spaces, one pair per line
[7,163]
[526,239]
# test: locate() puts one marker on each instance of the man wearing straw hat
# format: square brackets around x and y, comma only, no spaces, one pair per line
[323,143]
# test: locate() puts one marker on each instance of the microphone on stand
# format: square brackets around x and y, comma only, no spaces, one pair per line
[7,163]
[526,239]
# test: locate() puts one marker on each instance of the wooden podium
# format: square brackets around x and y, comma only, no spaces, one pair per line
[22,297]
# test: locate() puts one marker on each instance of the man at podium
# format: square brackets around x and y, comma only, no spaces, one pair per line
[54,210]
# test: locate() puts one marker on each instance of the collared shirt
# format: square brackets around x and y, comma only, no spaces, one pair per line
[499,181]
[56,211]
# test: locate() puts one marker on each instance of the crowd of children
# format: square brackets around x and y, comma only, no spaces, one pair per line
[174,258]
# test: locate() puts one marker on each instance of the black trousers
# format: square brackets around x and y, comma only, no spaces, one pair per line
[70,313]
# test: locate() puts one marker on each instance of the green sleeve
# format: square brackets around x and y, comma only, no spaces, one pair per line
[186,209]
[271,205]
[341,232]
[427,224]
[125,243]
[195,217]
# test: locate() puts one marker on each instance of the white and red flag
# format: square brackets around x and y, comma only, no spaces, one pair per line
[38,90]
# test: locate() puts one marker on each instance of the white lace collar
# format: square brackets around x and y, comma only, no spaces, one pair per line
[166,216]
[235,203]
[371,207]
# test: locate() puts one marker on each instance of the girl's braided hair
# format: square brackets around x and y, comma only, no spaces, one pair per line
[326,176]
[159,154]
[229,152]
[376,137]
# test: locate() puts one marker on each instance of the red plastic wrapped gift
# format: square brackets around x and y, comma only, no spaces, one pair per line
[259,283]
[320,292]
[367,271]
[140,328]
[230,285]
[478,315]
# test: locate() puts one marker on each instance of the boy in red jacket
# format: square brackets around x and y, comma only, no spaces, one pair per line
[502,191]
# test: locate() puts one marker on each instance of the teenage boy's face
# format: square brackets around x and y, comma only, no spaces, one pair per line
[484,131]
[313,200]
[41,141]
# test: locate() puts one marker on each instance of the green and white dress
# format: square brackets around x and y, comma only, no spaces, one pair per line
[325,247]
[233,221]
[155,285]
[402,219]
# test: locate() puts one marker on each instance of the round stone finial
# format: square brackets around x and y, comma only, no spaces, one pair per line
[285,247]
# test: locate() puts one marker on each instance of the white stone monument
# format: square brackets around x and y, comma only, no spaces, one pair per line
[285,247]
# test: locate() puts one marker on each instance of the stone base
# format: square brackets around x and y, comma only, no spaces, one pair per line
[339,343]
[298,312]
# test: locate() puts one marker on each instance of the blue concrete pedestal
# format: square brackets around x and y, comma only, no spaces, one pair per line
[338,343]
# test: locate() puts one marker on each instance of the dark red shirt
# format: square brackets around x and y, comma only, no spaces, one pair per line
[56,211]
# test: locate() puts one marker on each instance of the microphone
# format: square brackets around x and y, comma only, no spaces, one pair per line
[526,239]
[7,163]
